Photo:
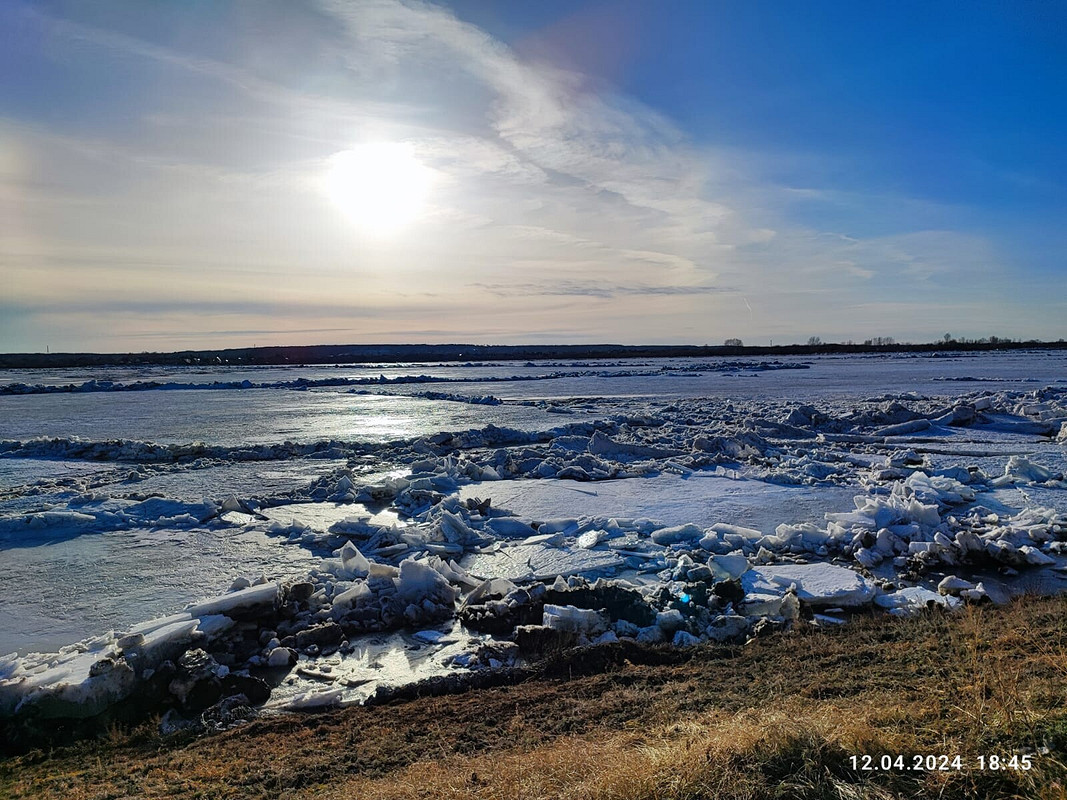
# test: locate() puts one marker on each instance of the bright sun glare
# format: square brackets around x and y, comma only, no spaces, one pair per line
[380,187]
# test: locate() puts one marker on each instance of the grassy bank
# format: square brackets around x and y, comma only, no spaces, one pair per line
[781,717]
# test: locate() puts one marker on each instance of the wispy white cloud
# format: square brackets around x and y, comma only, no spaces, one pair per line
[244,80]
[570,288]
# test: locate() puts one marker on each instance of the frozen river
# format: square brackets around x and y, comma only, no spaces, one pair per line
[126,494]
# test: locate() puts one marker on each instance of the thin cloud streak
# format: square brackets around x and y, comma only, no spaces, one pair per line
[585,289]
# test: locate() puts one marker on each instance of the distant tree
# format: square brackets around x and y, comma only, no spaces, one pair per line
[733,343]
[947,338]
[814,341]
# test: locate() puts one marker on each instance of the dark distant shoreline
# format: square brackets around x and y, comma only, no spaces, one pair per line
[399,353]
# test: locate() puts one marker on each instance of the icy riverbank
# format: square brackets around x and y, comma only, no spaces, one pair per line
[675,521]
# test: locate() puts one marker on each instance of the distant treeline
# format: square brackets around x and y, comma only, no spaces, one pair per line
[398,353]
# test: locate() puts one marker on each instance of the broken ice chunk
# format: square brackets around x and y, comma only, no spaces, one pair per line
[677,533]
[574,620]
[913,599]
[264,594]
[818,585]
[729,566]
[539,562]
[952,585]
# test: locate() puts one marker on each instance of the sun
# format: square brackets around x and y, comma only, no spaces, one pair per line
[380,187]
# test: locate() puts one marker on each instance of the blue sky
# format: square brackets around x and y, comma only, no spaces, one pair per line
[552,172]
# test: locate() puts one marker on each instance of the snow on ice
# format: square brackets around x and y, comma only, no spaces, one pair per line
[667,520]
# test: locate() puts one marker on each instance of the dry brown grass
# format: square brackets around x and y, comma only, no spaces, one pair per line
[797,750]
[780,718]
[691,759]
